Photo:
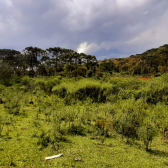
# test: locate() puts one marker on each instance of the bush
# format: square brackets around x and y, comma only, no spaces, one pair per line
[12,102]
[44,139]
[47,85]
[99,75]
[83,89]
[16,79]
[6,73]
[89,73]
[42,70]
[31,73]
[1,125]
[19,72]
[146,133]
[128,117]
[77,130]
[25,80]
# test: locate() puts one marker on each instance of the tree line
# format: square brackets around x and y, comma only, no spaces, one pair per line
[35,61]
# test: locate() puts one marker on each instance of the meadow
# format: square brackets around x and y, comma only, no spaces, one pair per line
[105,122]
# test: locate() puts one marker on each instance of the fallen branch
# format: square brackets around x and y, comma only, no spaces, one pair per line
[52,157]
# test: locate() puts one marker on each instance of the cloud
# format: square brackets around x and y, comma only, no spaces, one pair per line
[145,13]
[111,28]
[154,36]
[131,3]
[7,2]
[88,48]
[91,48]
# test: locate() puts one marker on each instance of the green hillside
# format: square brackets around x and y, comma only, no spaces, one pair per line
[151,62]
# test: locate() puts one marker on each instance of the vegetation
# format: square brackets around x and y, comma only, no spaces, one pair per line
[68,103]
[35,61]
[152,62]
[106,122]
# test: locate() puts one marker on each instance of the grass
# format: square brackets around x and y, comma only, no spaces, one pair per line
[27,137]
[23,151]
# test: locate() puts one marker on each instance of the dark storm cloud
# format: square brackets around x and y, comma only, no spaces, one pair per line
[111,28]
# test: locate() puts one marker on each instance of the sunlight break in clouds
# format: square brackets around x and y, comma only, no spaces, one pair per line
[88,48]
[82,47]
[94,47]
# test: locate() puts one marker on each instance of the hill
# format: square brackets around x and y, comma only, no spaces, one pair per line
[152,62]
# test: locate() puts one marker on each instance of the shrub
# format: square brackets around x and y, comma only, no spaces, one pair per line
[146,133]
[25,80]
[12,102]
[82,89]
[1,125]
[19,72]
[153,92]
[99,75]
[16,79]
[128,117]
[6,73]
[77,130]
[47,85]
[89,73]
[2,87]
[42,70]
[44,139]
[32,73]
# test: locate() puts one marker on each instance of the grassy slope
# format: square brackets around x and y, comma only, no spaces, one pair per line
[18,146]
[22,149]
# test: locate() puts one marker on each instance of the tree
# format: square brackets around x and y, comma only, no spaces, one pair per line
[8,56]
[67,58]
[46,61]
[60,56]
[6,73]
[20,64]
[88,60]
[55,53]
[42,70]
[107,66]
[32,53]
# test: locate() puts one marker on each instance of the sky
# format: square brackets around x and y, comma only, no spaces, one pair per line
[104,28]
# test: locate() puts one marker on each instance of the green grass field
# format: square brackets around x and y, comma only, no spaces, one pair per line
[94,123]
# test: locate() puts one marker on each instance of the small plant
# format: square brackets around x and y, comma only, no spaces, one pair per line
[1,126]
[100,124]
[25,80]
[44,139]
[102,139]
[12,163]
[7,132]
[13,103]
[77,130]
[36,123]
[18,135]
[146,133]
